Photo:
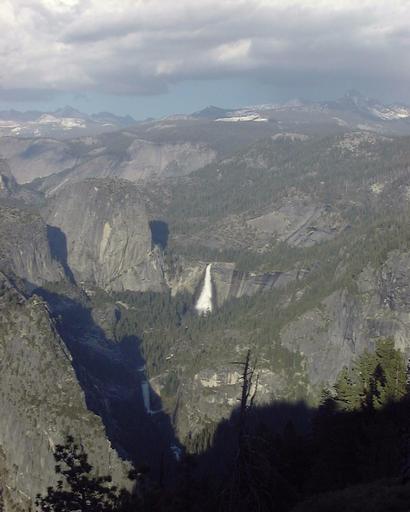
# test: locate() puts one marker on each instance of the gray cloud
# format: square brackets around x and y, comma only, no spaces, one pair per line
[143,46]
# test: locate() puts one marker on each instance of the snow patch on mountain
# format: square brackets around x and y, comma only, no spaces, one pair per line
[244,117]
[66,123]
[391,113]
[60,122]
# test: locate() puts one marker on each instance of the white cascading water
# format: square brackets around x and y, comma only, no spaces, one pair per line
[145,396]
[204,302]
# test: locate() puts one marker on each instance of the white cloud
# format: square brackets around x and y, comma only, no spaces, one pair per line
[60,5]
[233,51]
[139,46]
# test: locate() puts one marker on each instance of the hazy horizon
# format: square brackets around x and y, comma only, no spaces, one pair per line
[87,108]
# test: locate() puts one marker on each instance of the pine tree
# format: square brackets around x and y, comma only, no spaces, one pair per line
[375,380]
[347,394]
[77,489]
[389,374]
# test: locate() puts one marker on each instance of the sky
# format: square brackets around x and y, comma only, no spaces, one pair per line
[150,58]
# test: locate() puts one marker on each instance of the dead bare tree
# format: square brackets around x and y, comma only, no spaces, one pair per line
[243,491]
[246,398]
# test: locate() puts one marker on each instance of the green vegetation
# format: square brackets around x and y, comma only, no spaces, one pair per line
[375,380]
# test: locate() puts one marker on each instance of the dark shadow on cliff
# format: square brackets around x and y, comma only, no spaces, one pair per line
[58,247]
[293,457]
[159,233]
[112,376]
[273,418]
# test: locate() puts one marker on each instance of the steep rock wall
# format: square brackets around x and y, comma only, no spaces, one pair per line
[24,249]
[41,402]
[227,281]
[107,235]
[346,323]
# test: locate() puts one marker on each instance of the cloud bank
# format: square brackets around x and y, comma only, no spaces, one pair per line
[141,47]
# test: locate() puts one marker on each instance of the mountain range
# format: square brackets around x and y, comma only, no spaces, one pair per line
[287,224]
[353,109]
[62,123]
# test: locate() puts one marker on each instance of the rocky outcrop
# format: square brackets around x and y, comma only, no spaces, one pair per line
[331,335]
[231,283]
[13,193]
[136,159]
[184,275]
[8,184]
[149,158]
[106,317]
[214,392]
[36,158]
[328,336]
[300,222]
[24,247]
[41,402]
[105,229]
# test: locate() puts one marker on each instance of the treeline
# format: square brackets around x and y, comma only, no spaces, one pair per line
[355,456]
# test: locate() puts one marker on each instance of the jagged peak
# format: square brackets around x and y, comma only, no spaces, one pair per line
[68,111]
[211,112]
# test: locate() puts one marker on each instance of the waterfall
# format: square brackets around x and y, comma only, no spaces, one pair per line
[204,303]
[145,396]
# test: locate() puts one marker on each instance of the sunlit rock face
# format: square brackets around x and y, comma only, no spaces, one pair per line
[25,250]
[104,224]
[8,184]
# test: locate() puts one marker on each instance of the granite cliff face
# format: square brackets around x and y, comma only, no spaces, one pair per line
[8,184]
[125,155]
[13,193]
[103,228]
[299,222]
[24,249]
[231,283]
[147,158]
[346,323]
[41,402]
[142,161]
[227,281]
[36,158]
